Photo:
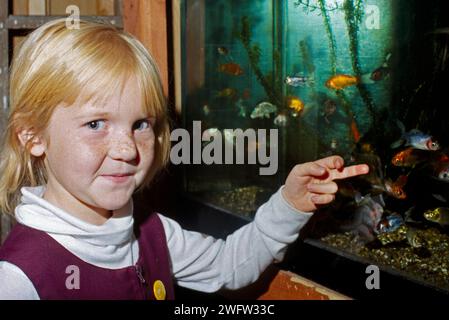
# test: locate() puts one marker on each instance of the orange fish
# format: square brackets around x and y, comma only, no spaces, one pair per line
[355,131]
[295,103]
[227,93]
[407,158]
[341,81]
[231,68]
[396,189]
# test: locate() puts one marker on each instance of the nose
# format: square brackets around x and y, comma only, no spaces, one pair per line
[123,147]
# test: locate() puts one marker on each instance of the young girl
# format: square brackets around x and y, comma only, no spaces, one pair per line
[88,127]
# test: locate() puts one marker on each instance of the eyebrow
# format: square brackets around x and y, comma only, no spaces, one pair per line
[93,115]
[103,115]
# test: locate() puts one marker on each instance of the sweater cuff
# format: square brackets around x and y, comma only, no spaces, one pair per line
[291,208]
[279,220]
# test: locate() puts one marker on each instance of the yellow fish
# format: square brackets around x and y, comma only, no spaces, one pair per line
[341,81]
[227,93]
[295,103]
[438,215]
[367,148]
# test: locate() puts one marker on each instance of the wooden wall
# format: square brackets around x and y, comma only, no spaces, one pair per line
[147,20]
[58,7]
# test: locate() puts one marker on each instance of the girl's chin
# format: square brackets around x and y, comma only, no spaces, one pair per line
[114,204]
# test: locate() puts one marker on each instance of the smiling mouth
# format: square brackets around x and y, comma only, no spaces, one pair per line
[118,178]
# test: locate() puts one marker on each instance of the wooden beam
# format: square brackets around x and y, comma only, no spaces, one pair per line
[105,8]
[147,20]
[37,7]
[177,54]
[87,7]
[20,7]
[5,225]
[289,286]
[194,46]
[33,22]
[4,56]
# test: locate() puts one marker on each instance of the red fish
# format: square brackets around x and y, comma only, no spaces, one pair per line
[355,131]
[396,188]
[441,167]
[407,158]
[383,71]
[231,68]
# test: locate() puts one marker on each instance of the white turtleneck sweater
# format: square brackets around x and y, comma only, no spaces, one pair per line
[198,262]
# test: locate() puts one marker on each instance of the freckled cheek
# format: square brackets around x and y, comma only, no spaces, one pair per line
[146,151]
[89,155]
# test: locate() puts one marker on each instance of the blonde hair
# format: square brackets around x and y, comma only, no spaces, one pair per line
[54,65]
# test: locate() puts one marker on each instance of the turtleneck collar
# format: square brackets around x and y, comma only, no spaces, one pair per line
[107,245]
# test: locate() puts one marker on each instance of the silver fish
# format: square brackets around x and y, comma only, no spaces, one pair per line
[263,110]
[298,81]
[415,139]
[280,120]
[241,107]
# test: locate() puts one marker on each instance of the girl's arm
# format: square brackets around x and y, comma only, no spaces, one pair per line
[206,264]
[14,284]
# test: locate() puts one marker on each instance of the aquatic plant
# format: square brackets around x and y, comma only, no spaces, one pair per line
[272,88]
[306,56]
[310,6]
[277,81]
[272,82]
[353,15]
[353,11]
[347,107]
[330,36]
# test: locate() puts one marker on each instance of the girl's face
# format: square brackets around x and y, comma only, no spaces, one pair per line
[96,156]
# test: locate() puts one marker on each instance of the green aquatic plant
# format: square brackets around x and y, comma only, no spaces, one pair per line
[311,6]
[330,36]
[353,18]
[272,82]
[304,51]
[271,85]
[277,72]
[353,10]
[347,107]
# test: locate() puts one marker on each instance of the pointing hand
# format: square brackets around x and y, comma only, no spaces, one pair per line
[311,184]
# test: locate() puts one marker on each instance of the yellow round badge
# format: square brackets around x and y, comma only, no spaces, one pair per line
[159,290]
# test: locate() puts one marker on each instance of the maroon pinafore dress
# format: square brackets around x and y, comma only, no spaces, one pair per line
[48,265]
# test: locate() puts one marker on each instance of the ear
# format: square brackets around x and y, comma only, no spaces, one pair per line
[35,144]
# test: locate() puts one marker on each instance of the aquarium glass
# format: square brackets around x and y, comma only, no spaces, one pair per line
[356,78]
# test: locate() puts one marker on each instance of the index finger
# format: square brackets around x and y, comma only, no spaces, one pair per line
[349,172]
[332,162]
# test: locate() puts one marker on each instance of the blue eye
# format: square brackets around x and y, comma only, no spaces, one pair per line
[141,125]
[96,125]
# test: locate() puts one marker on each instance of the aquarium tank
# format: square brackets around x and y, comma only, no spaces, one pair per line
[285,82]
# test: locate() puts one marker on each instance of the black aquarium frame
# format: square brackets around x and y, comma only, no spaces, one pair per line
[338,270]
